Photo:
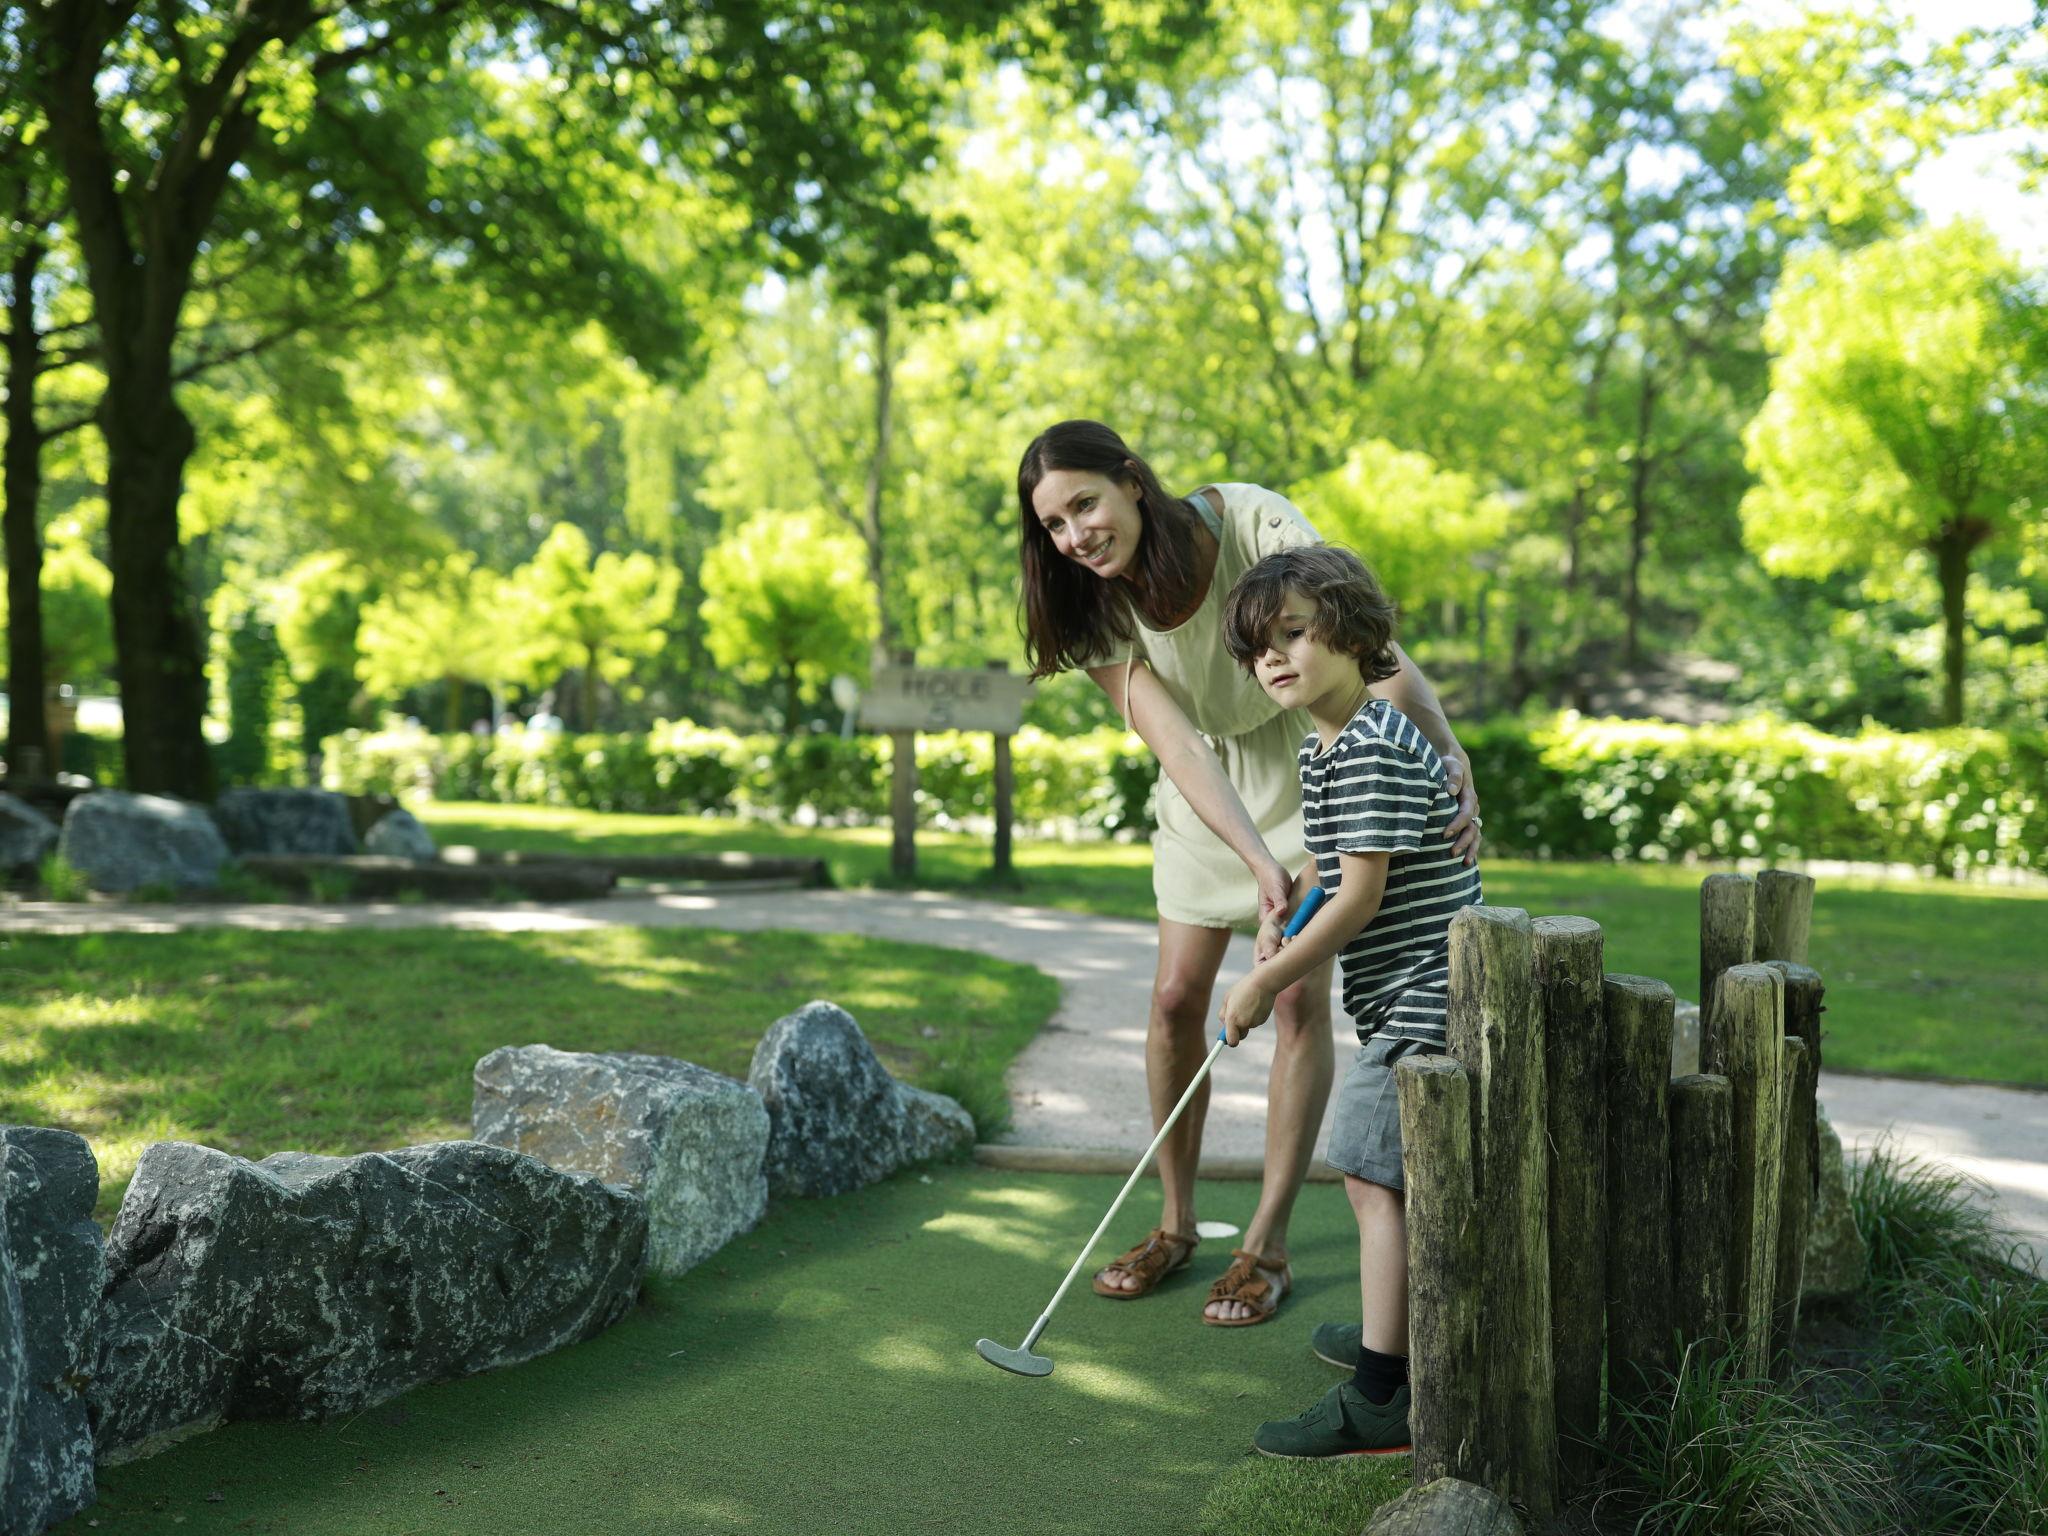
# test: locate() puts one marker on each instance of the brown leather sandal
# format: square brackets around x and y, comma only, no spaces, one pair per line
[1242,1282]
[1159,1255]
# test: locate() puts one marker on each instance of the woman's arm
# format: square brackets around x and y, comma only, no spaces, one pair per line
[1409,692]
[1196,772]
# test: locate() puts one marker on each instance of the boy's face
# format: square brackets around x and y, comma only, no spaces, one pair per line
[1297,670]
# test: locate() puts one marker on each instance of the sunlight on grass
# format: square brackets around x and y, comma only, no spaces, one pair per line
[1039,1202]
[900,1352]
[1121,1389]
[988,1231]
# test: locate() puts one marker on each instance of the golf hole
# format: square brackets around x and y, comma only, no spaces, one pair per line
[1215,1229]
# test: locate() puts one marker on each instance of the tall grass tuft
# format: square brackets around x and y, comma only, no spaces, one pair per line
[1966,1342]
[1718,1453]
[61,880]
[1913,1214]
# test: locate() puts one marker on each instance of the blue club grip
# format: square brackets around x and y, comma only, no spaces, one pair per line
[1315,898]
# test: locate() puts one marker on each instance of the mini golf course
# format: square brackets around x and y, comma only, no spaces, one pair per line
[819,1375]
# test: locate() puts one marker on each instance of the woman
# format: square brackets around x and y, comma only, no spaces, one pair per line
[1126,582]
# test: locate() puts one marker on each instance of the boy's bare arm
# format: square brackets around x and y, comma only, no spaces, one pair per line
[1362,884]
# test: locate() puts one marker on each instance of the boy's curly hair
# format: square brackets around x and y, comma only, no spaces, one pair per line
[1354,615]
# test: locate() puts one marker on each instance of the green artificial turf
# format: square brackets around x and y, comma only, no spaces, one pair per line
[1925,977]
[819,1375]
[344,1041]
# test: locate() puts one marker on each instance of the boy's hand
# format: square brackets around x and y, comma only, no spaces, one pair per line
[1247,1006]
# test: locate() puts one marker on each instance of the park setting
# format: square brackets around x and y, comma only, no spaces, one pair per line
[1047,766]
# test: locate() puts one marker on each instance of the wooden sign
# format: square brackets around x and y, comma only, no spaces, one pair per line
[932,699]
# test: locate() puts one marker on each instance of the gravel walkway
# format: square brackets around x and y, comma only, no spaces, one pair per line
[1080,1084]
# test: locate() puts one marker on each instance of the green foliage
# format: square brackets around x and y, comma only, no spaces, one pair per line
[1950,801]
[60,880]
[788,598]
[319,607]
[255,664]
[1712,1452]
[596,616]
[450,621]
[78,627]
[1914,1215]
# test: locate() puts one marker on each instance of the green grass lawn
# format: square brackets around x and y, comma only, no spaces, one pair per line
[1924,977]
[819,1375]
[341,1042]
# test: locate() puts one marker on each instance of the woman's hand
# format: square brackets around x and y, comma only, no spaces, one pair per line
[1464,828]
[1276,894]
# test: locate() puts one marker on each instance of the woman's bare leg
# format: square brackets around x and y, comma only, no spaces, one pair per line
[1177,1037]
[1297,1093]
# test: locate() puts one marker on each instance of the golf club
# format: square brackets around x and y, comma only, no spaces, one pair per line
[1021,1360]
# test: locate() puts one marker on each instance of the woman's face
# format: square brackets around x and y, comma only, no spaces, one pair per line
[1093,519]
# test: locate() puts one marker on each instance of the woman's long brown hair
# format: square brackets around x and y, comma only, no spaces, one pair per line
[1069,614]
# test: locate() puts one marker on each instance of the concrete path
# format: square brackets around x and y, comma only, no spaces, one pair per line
[1080,1084]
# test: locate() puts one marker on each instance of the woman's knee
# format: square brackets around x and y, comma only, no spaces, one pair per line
[1181,999]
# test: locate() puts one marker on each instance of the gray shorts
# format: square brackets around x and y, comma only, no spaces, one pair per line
[1365,1132]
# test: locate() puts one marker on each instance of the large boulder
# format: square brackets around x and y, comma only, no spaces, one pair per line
[1446,1507]
[399,835]
[688,1140]
[1685,1039]
[1837,1259]
[306,1287]
[54,1270]
[285,821]
[121,841]
[837,1119]
[26,834]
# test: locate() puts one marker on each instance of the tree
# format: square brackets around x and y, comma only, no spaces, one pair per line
[786,597]
[1907,413]
[319,613]
[595,616]
[452,623]
[347,110]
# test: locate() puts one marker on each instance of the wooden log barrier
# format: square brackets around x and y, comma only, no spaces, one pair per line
[1702,1206]
[1795,1194]
[1749,1021]
[1784,916]
[1638,1193]
[1443,1267]
[1568,981]
[1727,937]
[1804,1005]
[1495,1028]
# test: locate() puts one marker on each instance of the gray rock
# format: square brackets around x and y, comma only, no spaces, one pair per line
[120,841]
[689,1140]
[1837,1259]
[1685,1039]
[51,1181]
[285,821]
[305,1287]
[934,1126]
[837,1119]
[1446,1507]
[26,834]
[399,835]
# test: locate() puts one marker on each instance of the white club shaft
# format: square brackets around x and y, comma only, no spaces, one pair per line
[1136,1173]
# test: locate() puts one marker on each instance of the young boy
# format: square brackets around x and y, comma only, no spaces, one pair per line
[1316,631]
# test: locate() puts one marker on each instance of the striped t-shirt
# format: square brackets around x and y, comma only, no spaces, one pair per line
[1380,788]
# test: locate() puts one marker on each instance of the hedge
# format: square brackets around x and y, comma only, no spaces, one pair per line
[1566,787]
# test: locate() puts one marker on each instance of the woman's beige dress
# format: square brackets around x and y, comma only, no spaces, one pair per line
[1195,877]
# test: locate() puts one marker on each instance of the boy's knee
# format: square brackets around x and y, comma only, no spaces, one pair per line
[1368,1198]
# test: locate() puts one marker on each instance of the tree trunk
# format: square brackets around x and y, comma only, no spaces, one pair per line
[789,703]
[160,659]
[877,483]
[28,738]
[452,714]
[1952,562]
[1639,521]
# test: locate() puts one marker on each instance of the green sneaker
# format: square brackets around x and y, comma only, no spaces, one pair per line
[1342,1424]
[1336,1343]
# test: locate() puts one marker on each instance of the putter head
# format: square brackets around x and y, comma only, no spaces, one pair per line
[1019,1360]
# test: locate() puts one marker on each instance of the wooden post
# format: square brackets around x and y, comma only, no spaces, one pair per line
[1005,790]
[1784,916]
[1639,1013]
[1495,1026]
[1803,1008]
[1795,1195]
[1749,1020]
[1443,1266]
[903,794]
[1727,937]
[1567,951]
[1702,1208]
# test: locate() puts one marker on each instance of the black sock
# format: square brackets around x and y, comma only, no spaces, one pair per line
[1379,1376]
